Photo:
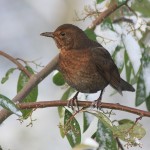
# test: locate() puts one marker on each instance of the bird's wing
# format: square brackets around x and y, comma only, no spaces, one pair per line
[106,66]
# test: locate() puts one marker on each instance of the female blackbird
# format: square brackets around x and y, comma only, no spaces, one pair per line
[85,64]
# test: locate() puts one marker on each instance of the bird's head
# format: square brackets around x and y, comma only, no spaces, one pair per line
[68,36]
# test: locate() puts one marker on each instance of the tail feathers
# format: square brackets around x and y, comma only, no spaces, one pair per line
[125,86]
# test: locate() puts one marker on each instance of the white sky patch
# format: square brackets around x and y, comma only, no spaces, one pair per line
[146,73]
[133,50]
[107,38]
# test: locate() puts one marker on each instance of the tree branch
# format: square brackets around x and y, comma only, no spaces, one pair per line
[18,64]
[56,103]
[33,82]
[112,8]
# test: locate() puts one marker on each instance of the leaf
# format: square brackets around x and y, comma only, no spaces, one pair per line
[105,138]
[148,102]
[58,79]
[9,105]
[104,119]
[142,6]
[87,119]
[90,33]
[129,132]
[107,24]
[8,73]
[128,66]
[72,129]
[141,90]
[32,97]
[121,1]
[99,1]
[61,110]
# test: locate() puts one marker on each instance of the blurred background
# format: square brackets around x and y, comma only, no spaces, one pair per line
[20,28]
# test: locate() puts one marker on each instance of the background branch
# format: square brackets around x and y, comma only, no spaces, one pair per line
[17,63]
[33,82]
[56,103]
[106,13]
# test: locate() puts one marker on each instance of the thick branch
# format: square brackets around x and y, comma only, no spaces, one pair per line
[33,82]
[18,64]
[106,13]
[44,104]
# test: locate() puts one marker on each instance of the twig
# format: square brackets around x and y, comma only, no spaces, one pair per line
[20,66]
[123,19]
[33,82]
[119,144]
[56,103]
[106,13]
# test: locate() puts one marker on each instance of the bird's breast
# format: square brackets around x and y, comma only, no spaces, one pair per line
[79,71]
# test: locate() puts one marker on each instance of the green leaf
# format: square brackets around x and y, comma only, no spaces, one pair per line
[128,66]
[32,97]
[102,117]
[141,90]
[61,110]
[58,79]
[90,33]
[99,1]
[107,24]
[72,129]
[129,132]
[8,73]
[148,102]
[121,1]
[120,66]
[142,6]
[9,105]
[87,119]
[105,138]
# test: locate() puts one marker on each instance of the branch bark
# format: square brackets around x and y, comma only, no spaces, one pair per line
[18,64]
[33,82]
[56,103]
[112,8]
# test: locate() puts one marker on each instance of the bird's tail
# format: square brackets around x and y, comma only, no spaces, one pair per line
[125,86]
[122,86]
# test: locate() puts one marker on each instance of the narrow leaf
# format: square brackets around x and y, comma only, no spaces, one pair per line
[61,110]
[9,105]
[99,1]
[141,90]
[8,73]
[104,119]
[90,33]
[32,97]
[148,102]
[58,79]
[72,129]
[105,138]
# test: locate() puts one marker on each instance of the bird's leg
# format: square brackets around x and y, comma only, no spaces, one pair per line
[98,101]
[73,102]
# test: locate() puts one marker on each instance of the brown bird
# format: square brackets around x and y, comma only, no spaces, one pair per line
[85,64]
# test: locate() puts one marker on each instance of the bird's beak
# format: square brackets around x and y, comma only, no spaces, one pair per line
[48,34]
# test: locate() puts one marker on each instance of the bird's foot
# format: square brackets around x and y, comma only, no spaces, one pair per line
[97,104]
[72,103]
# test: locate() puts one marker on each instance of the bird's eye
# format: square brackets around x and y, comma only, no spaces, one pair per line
[62,33]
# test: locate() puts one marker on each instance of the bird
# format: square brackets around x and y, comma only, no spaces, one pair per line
[85,64]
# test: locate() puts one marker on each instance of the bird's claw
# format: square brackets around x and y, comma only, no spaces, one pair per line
[97,104]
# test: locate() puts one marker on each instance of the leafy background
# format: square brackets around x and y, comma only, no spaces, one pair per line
[16,36]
